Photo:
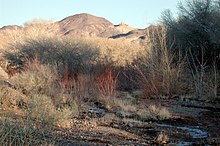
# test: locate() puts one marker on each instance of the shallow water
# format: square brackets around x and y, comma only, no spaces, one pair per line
[183,143]
[193,131]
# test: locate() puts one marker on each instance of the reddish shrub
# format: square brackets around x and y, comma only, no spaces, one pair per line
[106,82]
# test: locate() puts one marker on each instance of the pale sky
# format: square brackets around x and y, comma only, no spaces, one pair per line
[137,13]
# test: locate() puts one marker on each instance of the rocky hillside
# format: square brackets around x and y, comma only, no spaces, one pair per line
[87,25]
[84,25]
[10,27]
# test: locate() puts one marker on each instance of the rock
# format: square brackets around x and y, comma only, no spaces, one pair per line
[162,139]
[120,113]
[96,112]
[130,125]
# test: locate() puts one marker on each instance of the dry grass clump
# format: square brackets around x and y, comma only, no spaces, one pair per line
[125,105]
[153,112]
[42,111]
[108,119]
[12,132]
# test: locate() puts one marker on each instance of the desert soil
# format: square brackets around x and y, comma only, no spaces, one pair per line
[193,123]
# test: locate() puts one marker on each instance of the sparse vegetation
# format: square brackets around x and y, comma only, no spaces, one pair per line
[154,112]
[12,132]
[159,70]
[56,82]
[195,34]
[196,29]
[36,78]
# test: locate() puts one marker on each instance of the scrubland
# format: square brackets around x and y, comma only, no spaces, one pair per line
[52,84]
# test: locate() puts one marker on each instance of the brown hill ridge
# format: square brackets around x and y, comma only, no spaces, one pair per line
[10,27]
[87,25]
[84,25]
[124,28]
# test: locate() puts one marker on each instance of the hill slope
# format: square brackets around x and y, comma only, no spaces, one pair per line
[87,25]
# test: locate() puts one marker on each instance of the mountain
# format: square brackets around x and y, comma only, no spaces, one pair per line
[10,27]
[7,30]
[137,35]
[123,28]
[131,34]
[87,25]
[84,25]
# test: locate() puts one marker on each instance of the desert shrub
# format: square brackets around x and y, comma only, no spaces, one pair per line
[3,74]
[119,51]
[68,60]
[38,28]
[205,79]
[128,78]
[196,27]
[106,82]
[126,105]
[36,78]
[196,34]
[75,55]
[43,79]
[10,97]
[34,29]
[153,112]
[161,71]
[78,85]
[42,111]
[12,132]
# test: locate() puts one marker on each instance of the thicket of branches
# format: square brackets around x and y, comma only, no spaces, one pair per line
[196,30]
